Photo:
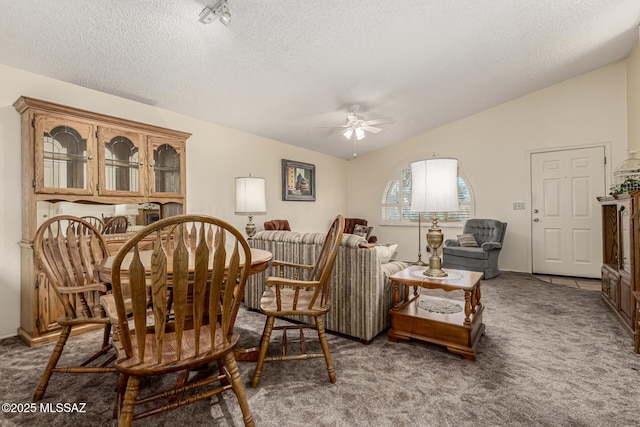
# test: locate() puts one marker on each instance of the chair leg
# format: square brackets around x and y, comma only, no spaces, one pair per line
[126,415]
[107,335]
[122,385]
[264,346]
[238,388]
[325,348]
[53,361]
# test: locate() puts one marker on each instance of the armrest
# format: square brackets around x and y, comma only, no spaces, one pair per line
[487,246]
[291,264]
[100,287]
[281,281]
[298,270]
[451,242]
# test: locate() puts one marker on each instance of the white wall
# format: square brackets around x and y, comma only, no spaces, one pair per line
[493,149]
[215,156]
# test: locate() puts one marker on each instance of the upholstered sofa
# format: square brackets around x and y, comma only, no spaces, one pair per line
[361,293]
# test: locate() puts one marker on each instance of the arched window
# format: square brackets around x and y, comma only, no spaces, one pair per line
[396,202]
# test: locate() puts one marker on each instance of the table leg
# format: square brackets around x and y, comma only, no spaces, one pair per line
[467,306]
[396,297]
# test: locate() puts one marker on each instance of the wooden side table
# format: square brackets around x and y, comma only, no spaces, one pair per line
[459,332]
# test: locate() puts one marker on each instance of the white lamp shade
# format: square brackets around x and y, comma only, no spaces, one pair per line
[434,185]
[250,196]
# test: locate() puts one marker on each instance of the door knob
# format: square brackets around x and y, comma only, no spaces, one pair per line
[536,211]
[535,220]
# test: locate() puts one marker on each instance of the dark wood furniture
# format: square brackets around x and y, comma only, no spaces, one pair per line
[67,248]
[621,257]
[87,158]
[307,294]
[459,332]
[192,314]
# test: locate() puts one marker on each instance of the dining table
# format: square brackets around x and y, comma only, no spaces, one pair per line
[260,260]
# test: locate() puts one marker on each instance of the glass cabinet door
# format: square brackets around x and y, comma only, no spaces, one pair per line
[63,156]
[624,253]
[122,159]
[168,162]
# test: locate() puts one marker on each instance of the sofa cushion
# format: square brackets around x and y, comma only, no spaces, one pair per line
[385,252]
[278,236]
[362,231]
[467,240]
[349,240]
[475,253]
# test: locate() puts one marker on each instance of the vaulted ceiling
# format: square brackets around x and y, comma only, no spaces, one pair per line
[286,69]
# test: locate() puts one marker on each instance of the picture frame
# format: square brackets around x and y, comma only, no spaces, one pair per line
[298,181]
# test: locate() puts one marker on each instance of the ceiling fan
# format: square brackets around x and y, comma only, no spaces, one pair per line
[356,126]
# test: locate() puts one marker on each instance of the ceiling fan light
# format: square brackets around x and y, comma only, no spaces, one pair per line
[359,134]
[225,18]
[219,11]
[347,133]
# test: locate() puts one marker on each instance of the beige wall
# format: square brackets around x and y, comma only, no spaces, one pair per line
[215,156]
[493,149]
[633,98]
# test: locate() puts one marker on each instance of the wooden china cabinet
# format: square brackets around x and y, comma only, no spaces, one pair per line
[82,157]
[621,256]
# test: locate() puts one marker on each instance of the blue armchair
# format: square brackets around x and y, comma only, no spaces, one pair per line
[489,235]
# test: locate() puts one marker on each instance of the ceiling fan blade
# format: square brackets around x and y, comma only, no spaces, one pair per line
[336,126]
[371,129]
[377,122]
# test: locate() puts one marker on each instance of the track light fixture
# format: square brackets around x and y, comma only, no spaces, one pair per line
[219,11]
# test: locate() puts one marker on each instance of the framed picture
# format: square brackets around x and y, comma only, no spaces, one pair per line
[298,181]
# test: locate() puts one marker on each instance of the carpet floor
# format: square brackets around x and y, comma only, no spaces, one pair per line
[551,356]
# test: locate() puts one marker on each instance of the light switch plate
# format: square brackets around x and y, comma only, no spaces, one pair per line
[518,206]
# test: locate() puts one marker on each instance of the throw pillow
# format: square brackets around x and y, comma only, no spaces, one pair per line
[467,240]
[362,231]
[386,252]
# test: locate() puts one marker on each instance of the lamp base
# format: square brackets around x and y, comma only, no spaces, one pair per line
[250,228]
[434,240]
[435,273]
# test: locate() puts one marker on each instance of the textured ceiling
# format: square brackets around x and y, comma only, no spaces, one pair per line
[284,69]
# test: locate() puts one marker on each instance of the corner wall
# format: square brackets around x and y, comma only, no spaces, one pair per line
[215,156]
[493,149]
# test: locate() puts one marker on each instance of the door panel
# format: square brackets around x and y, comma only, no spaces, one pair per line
[566,216]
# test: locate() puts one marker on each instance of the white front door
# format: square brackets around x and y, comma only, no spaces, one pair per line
[566,225]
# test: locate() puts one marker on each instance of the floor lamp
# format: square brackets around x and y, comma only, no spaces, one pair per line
[250,200]
[434,188]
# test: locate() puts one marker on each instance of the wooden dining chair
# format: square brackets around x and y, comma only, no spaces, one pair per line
[300,296]
[115,225]
[66,249]
[203,264]
[95,221]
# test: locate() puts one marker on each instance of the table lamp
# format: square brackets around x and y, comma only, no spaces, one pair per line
[434,188]
[250,200]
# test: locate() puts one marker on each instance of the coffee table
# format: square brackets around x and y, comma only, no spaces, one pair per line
[458,331]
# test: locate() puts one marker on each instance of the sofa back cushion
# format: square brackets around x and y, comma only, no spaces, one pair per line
[485,230]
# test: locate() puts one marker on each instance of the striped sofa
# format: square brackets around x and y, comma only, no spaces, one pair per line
[361,294]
